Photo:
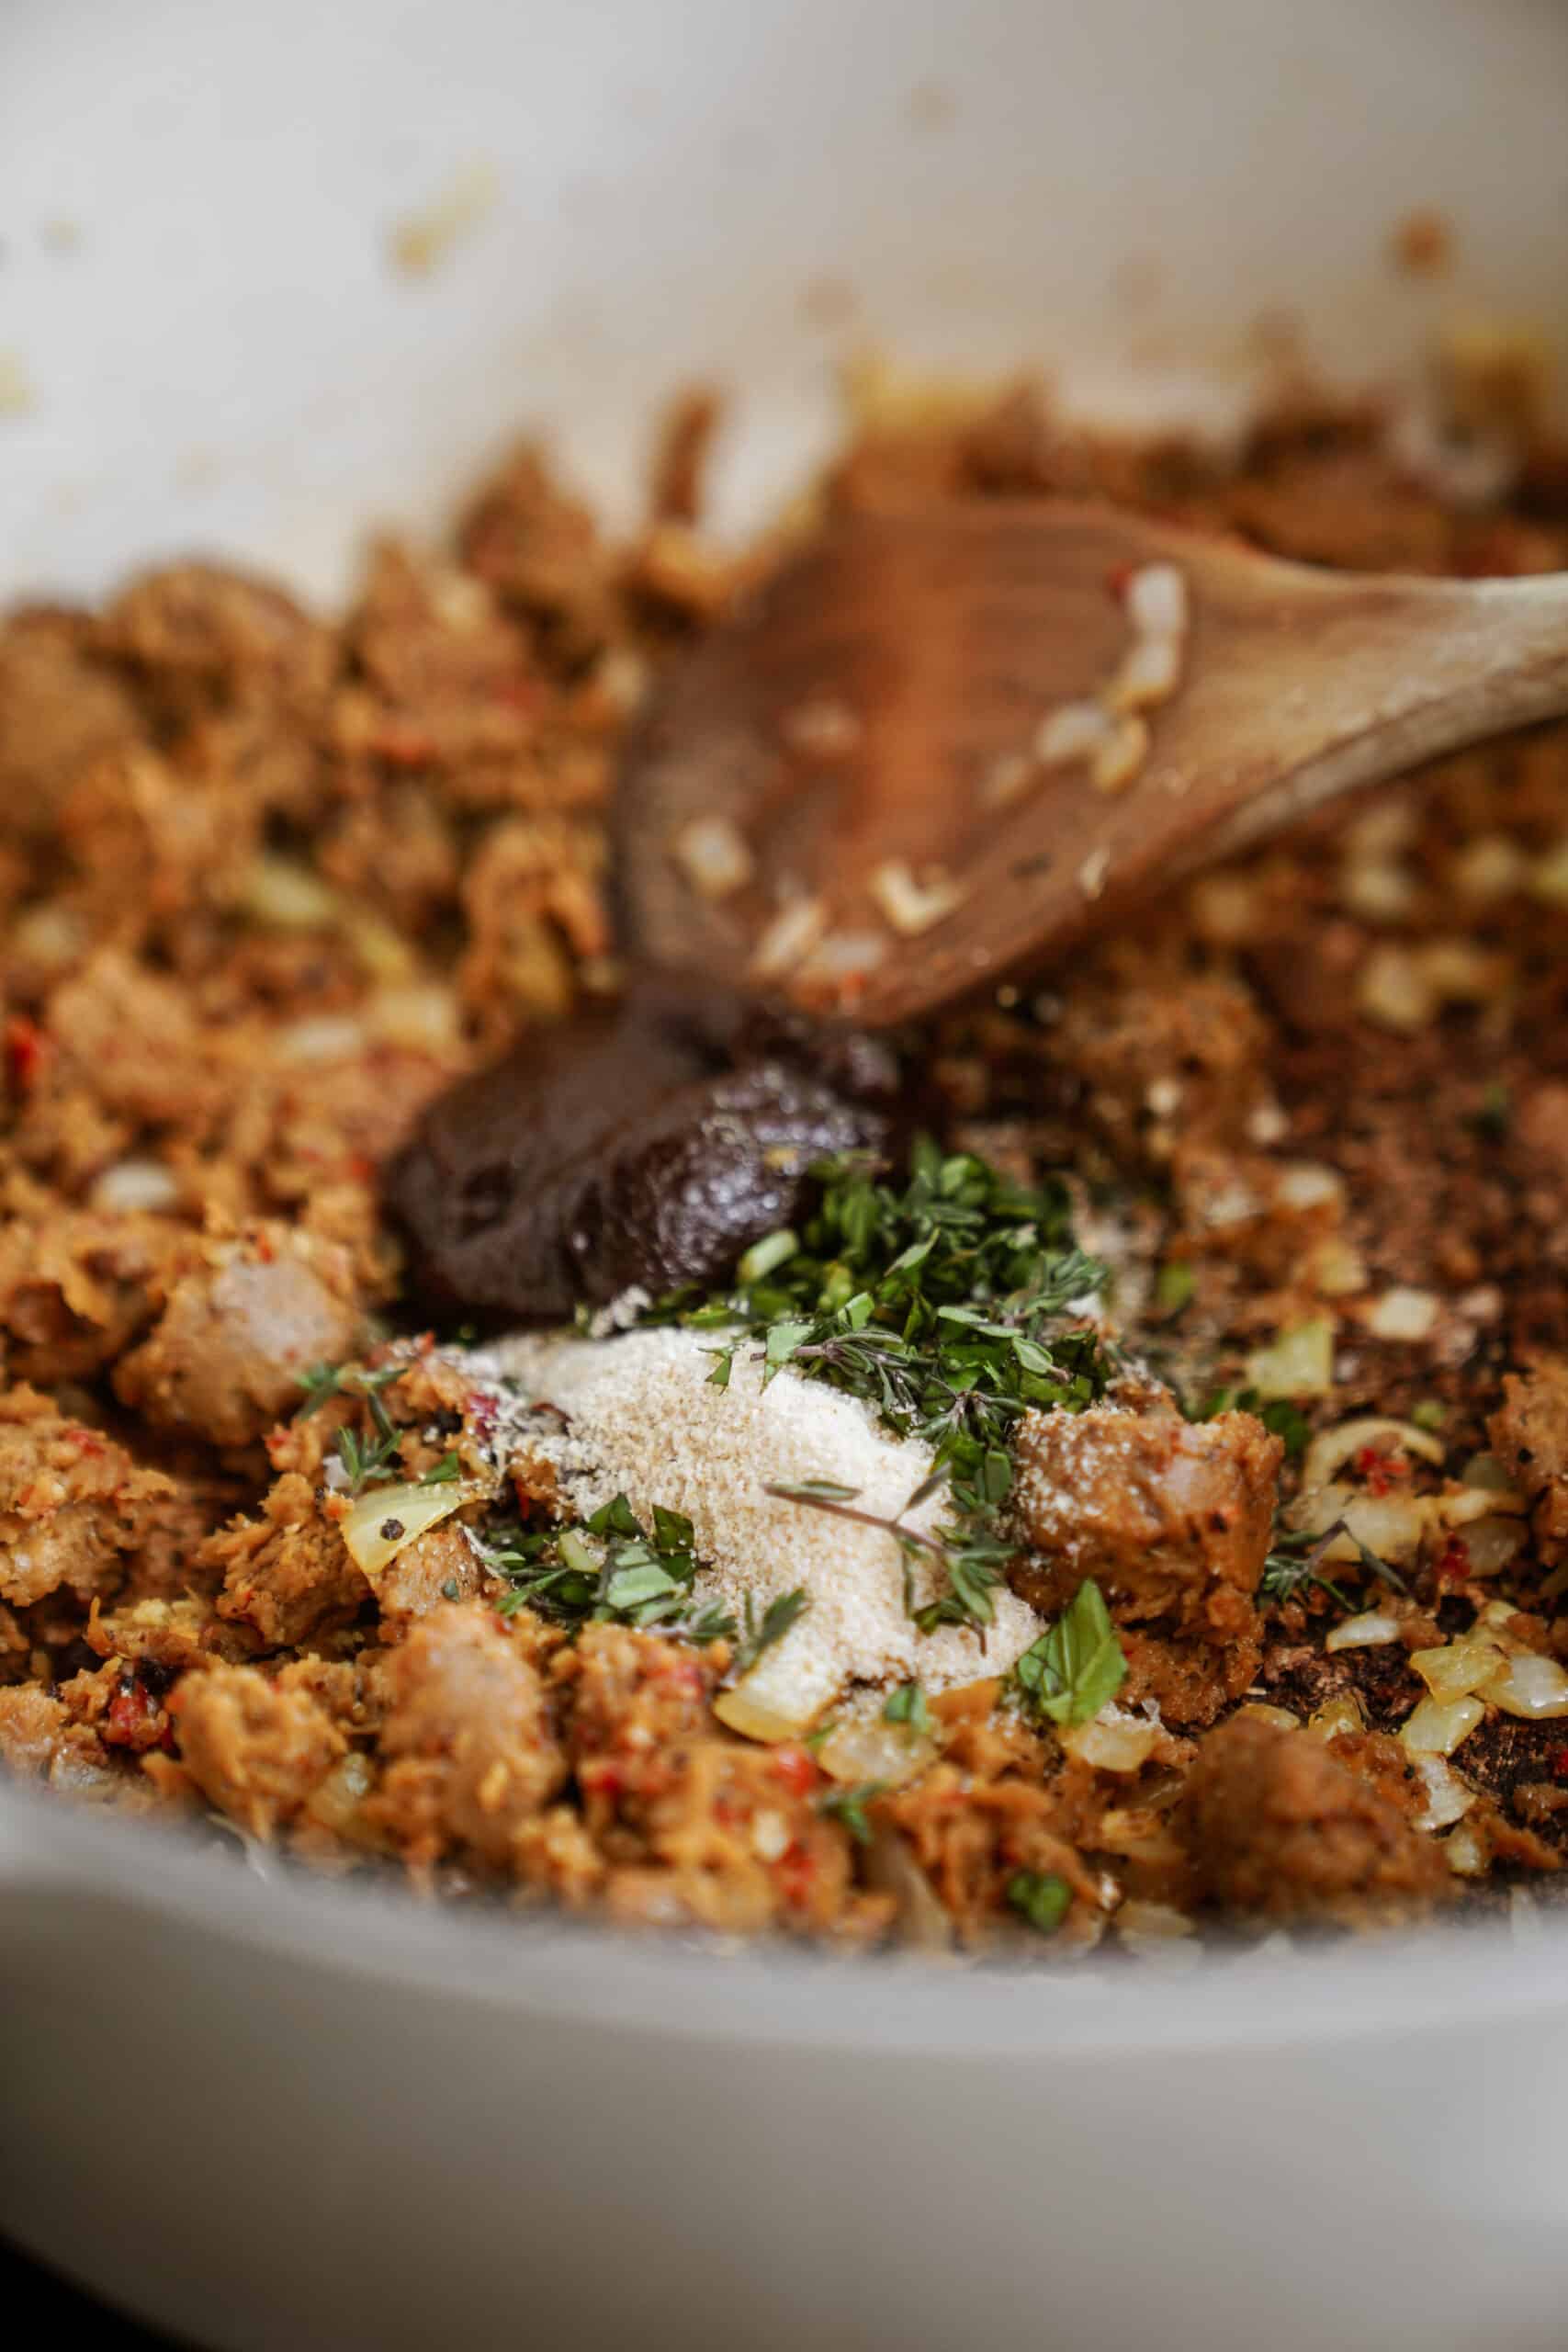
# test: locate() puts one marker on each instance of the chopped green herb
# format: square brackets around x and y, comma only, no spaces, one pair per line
[1296,1562]
[777,1618]
[611,1570]
[907,1704]
[1175,1286]
[1074,1667]
[1285,1419]
[1041,1898]
[369,1465]
[443,1472]
[1430,1413]
[321,1382]
[849,1805]
[969,1555]
[774,1249]
[1494,1114]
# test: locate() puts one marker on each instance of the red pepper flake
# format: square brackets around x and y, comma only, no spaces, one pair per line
[1452,1564]
[794,1873]
[1383,1471]
[797,1767]
[1557,1763]
[600,1776]
[406,747]
[135,1718]
[26,1051]
[1118,579]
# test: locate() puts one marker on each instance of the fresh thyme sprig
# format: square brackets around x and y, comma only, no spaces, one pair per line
[1296,1561]
[364,1463]
[970,1556]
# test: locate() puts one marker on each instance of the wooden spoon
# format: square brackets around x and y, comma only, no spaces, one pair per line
[874,707]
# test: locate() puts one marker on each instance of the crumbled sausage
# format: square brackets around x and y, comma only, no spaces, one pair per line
[471,1755]
[287,1574]
[1171,1516]
[225,1357]
[256,1749]
[1529,1431]
[1278,1827]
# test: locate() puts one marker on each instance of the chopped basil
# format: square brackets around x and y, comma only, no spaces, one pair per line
[1074,1667]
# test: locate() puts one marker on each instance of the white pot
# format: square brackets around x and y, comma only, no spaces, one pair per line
[290,2114]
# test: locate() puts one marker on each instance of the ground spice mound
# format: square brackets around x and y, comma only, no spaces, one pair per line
[271,882]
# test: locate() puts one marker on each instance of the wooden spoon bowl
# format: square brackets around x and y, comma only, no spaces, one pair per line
[852,751]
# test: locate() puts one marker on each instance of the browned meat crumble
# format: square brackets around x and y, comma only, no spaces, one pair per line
[270,885]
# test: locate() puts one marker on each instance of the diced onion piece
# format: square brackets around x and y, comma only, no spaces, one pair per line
[891,1868]
[1447,1799]
[1299,1362]
[380,1522]
[844,953]
[1491,1543]
[780,1697]
[1485,1470]
[1403,1314]
[1136,1917]
[791,936]
[1464,1849]
[1156,599]
[1363,1632]
[1490,866]
[1377,890]
[1113,1741]
[1073,730]
[1122,753]
[278,892]
[869,1750]
[1330,1449]
[1529,1687]
[1262,1712]
[1549,875]
[1436,1727]
[382,951]
[1149,672]
[1007,779]
[1308,1184]
[909,906]
[1393,990]
[422,1019]
[322,1038]
[714,858]
[1454,1668]
[133,1184]
[336,1804]
[1337,1717]
[1468,1505]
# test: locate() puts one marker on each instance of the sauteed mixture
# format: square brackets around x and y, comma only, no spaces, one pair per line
[1092,1472]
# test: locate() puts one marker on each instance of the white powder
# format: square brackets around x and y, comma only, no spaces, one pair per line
[643,1419]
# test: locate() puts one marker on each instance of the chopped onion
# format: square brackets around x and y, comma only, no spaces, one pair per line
[133,1184]
[891,1868]
[1149,672]
[1156,599]
[1529,1687]
[1485,1470]
[336,1804]
[1073,730]
[1447,1799]
[909,906]
[1261,1712]
[869,1750]
[1491,1543]
[1113,1741]
[378,1523]
[1308,1184]
[1299,1362]
[1363,1632]
[277,890]
[713,854]
[791,936]
[324,1038]
[1403,1314]
[1337,1717]
[1464,1849]
[1436,1727]
[1549,875]
[1137,1919]
[1454,1668]
[1330,1449]
[780,1697]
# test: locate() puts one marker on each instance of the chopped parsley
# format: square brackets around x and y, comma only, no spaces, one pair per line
[909,1705]
[849,1805]
[1041,1898]
[609,1569]
[939,1305]
[1286,1420]
[777,1618]
[442,1473]
[1075,1665]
